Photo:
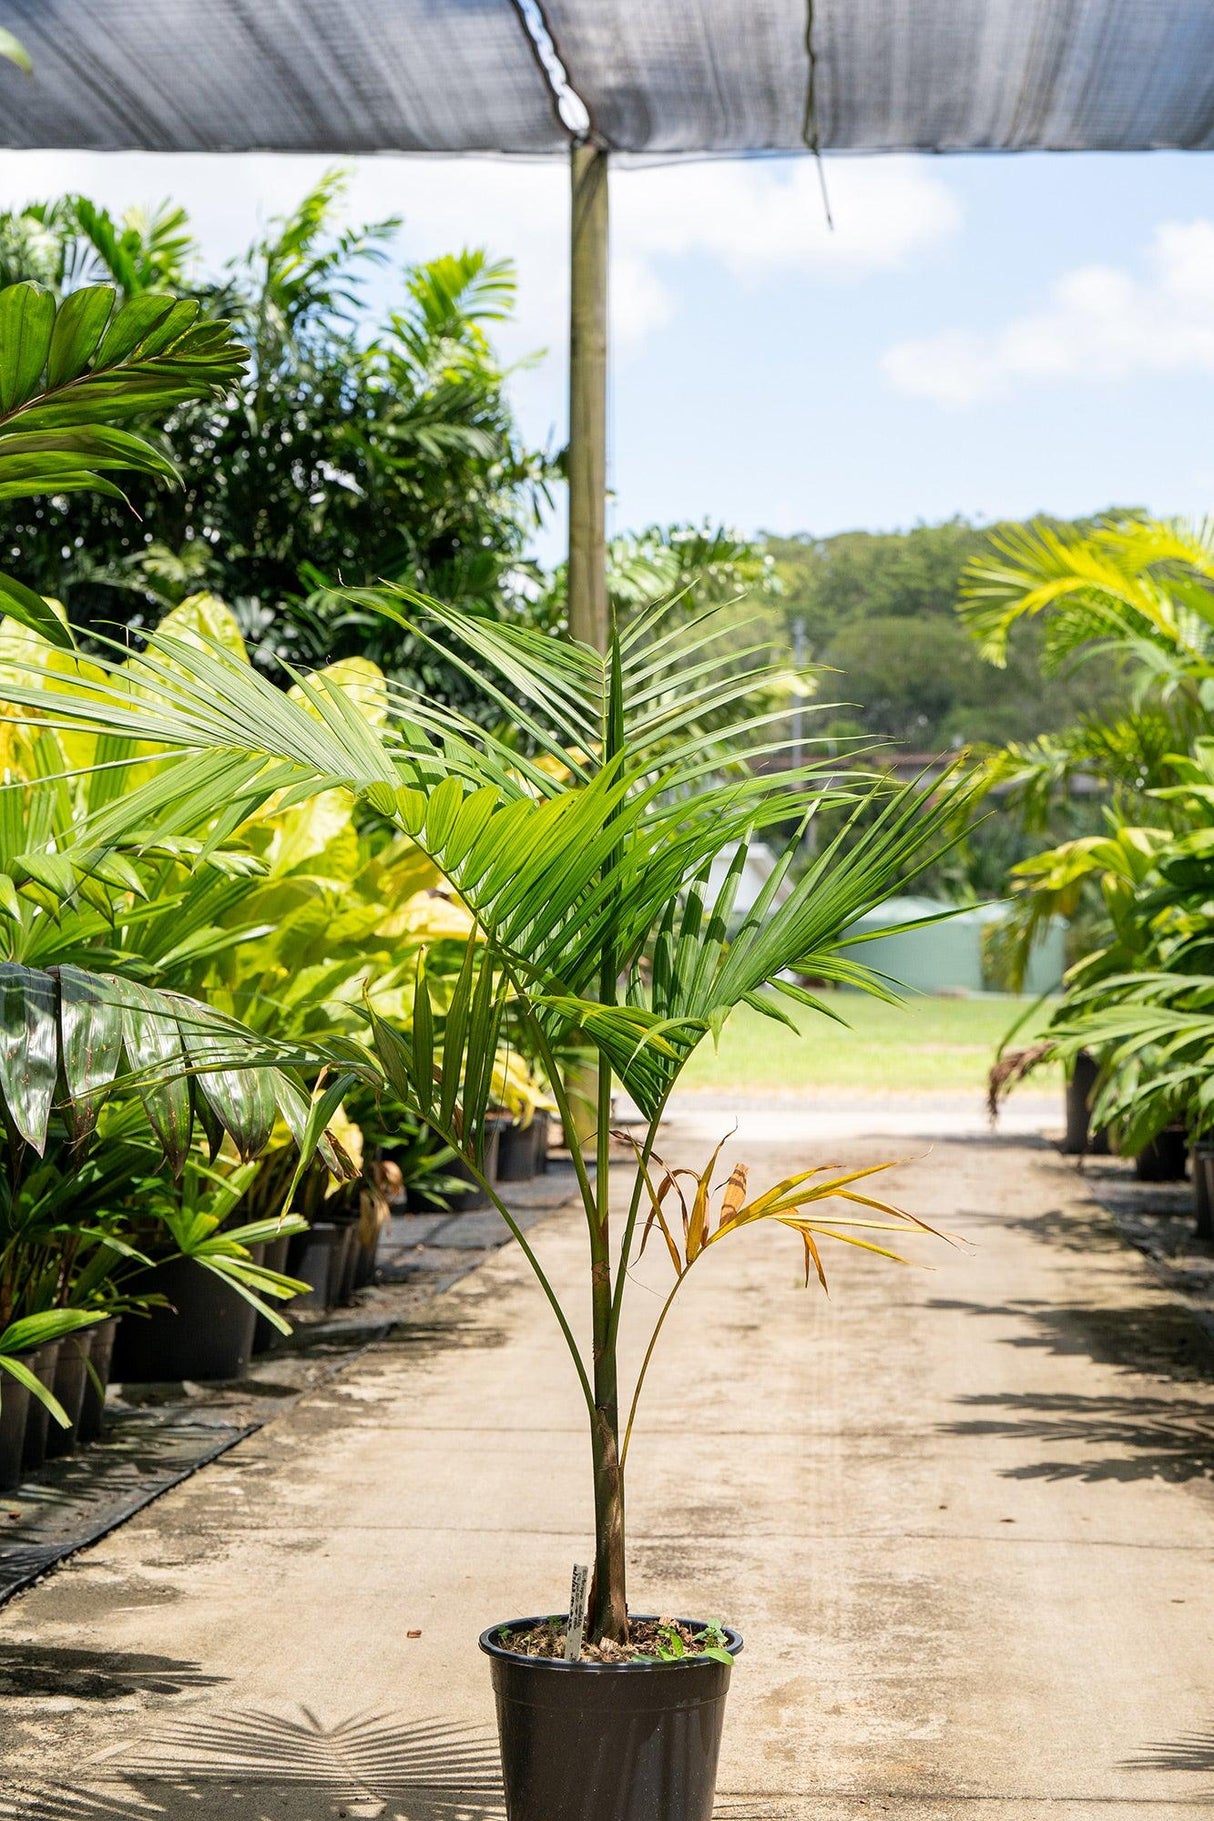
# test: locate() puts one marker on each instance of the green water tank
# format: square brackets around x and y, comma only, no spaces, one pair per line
[946,956]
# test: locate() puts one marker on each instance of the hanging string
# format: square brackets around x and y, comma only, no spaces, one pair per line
[810,131]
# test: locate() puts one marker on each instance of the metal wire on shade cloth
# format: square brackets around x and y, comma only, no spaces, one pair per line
[810,132]
[571,109]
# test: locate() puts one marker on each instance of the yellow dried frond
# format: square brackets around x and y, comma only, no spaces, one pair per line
[697,1223]
[735,1194]
[786,1202]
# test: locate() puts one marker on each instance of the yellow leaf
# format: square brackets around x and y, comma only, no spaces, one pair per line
[201,621]
[359,678]
[866,1245]
[656,1215]
[814,1257]
[735,1195]
[697,1224]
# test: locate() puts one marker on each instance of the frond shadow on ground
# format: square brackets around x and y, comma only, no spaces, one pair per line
[267,1767]
[1157,1336]
[276,1768]
[37,1670]
[1151,1438]
[1192,1752]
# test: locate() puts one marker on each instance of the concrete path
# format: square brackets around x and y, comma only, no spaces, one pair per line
[964,1517]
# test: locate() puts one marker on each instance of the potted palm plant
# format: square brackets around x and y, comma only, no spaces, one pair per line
[582,842]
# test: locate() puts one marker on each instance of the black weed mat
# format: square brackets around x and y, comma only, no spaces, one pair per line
[77,1500]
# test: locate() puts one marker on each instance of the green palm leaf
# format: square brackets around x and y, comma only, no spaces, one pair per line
[71,376]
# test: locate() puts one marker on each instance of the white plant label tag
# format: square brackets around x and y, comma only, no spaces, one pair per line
[577,1613]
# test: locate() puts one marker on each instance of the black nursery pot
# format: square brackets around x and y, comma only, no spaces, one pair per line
[310,1259]
[274,1258]
[1164,1158]
[14,1409]
[1080,1089]
[101,1353]
[1203,1187]
[207,1333]
[608,1741]
[475,1198]
[37,1417]
[366,1260]
[516,1153]
[71,1377]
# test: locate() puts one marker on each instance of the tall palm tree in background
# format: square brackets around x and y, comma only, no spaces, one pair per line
[359,444]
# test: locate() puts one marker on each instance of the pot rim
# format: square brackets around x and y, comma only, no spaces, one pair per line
[491,1647]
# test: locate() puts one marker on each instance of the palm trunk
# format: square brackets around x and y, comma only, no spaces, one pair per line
[608,1614]
[608,1593]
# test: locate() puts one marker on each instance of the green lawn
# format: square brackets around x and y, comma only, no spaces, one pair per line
[923,1046]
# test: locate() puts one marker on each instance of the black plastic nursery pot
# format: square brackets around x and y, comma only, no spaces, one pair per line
[71,1377]
[274,1258]
[14,1409]
[541,1125]
[516,1153]
[1080,1090]
[608,1741]
[475,1197]
[206,1333]
[346,1256]
[43,1365]
[310,1259]
[1203,1187]
[101,1354]
[1164,1158]
[367,1258]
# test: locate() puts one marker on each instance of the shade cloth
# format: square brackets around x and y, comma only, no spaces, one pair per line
[282,75]
[892,75]
[657,76]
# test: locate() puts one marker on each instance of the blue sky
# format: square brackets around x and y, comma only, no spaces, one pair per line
[979,335]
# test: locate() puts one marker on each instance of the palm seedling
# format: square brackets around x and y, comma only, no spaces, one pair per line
[581,845]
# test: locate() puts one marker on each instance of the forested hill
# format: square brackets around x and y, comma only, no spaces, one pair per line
[880,608]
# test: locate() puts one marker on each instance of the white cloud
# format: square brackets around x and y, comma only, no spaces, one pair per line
[765,221]
[762,220]
[1099,324]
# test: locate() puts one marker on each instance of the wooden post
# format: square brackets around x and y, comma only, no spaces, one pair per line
[588,397]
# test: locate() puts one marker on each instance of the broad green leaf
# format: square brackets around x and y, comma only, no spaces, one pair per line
[241,1099]
[17,1368]
[50,1324]
[31,611]
[27,317]
[153,1044]
[454,1033]
[79,326]
[441,813]
[423,1041]
[29,1049]
[132,324]
[90,1022]
[91,448]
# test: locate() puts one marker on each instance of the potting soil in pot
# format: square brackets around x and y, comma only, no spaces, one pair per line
[647,1640]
